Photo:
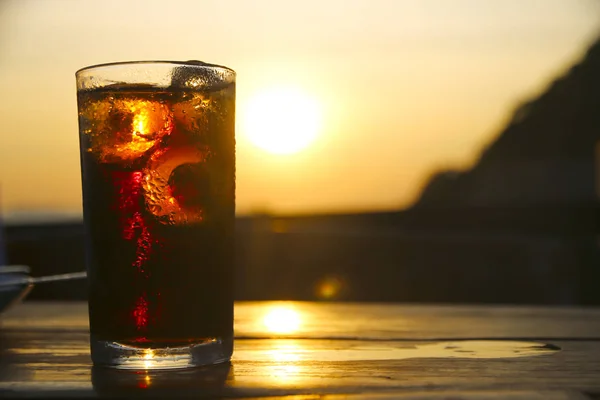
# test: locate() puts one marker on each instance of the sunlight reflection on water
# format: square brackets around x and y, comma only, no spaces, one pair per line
[285,319]
[282,319]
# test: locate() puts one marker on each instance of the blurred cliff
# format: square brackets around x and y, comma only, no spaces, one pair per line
[520,227]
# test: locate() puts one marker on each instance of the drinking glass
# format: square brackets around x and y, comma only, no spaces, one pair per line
[157,147]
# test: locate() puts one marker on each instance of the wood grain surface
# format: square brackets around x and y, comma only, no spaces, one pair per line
[331,351]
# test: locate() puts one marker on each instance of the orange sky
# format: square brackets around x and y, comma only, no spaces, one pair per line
[405,87]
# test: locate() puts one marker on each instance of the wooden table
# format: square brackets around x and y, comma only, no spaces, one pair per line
[328,351]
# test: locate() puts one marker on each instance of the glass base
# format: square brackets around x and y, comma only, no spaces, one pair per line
[117,355]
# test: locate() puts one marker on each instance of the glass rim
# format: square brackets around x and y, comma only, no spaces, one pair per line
[189,63]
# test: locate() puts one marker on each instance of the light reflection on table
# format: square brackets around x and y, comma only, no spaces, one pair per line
[287,348]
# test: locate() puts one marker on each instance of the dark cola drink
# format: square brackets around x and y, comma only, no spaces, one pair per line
[158,173]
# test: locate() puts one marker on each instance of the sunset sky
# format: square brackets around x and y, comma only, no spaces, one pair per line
[395,89]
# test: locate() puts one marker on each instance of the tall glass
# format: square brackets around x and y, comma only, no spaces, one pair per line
[158,170]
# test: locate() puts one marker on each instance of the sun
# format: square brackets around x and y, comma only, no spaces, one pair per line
[282,121]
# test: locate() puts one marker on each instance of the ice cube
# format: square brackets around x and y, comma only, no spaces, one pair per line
[122,130]
[158,193]
[192,112]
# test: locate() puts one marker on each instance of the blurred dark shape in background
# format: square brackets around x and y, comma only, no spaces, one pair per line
[520,227]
